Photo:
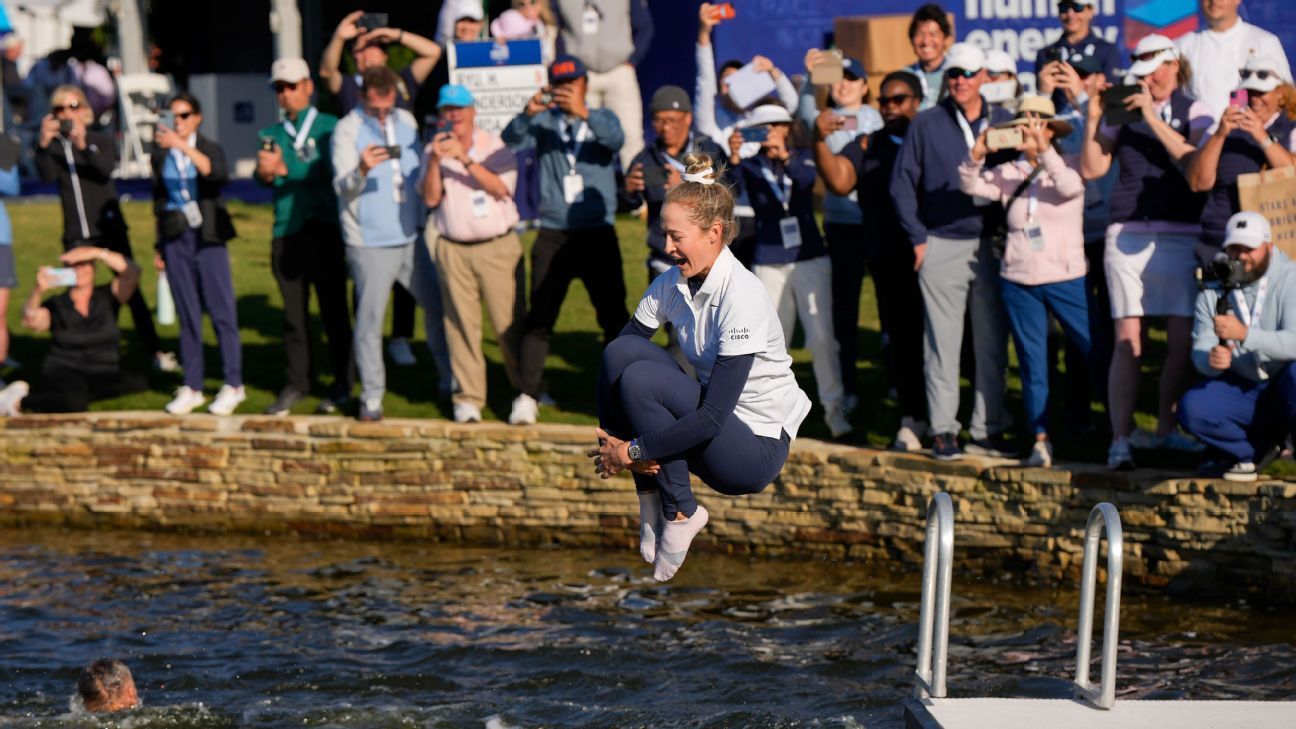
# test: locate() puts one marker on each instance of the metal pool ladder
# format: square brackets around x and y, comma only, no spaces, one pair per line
[934,610]
[938,555]
[1103,518]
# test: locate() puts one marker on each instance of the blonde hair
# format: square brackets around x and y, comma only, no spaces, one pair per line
[708,203]
[82,100]
[546,12]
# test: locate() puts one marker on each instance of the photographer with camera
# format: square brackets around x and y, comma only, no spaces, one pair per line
[1150,128]
[468,185]
[84,359]
[193,227]
[306,249]
[1257,131]
[1042,266]
[81,161]
[1244,341]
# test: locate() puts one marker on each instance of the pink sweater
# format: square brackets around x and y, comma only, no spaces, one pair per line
[1059,211]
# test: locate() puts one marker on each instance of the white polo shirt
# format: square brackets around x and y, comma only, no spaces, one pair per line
[732,315]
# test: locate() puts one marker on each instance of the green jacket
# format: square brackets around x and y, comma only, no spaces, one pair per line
[306,192]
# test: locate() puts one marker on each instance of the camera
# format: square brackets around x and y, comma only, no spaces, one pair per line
[65,127]
[1228,273]
[393,151]
[267,144]
[546,99]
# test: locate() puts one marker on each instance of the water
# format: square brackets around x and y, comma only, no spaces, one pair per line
[243,632]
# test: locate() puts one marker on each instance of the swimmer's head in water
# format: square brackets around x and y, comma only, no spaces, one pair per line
[698,215]
[106,686]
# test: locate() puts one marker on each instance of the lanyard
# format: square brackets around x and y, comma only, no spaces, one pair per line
[899,141]
[968,136]
[1246,313]
[572,143]
[1032,202]
[76,189]
[678,165]
[182,163]
[398,179]
[299,137]
[782,193]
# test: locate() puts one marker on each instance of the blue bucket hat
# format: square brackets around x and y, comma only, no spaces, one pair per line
[454,95]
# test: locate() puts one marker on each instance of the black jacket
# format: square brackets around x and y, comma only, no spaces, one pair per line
[94,167]
[217,227]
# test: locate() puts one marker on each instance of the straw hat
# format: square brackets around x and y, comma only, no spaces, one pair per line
[1042,107]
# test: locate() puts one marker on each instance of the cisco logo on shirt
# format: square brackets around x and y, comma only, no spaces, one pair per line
[736,334]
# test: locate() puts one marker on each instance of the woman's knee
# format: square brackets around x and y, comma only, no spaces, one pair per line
[629,349]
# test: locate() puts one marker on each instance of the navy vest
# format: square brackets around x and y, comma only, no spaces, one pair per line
[1241,155]
[1151,186]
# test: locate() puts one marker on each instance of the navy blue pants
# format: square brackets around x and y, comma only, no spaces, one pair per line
[200,279]
[642,390]
[1028,309]
[1240,417]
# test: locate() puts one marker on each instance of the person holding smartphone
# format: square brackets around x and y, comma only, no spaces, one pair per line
[192,228]
[1257,131]
[80,160]
[1078,40]
[1151,249]
[84,359]
[1042,270]
[843,218]
[790,257]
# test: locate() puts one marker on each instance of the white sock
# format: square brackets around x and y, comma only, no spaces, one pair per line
[650,524]
[675,541]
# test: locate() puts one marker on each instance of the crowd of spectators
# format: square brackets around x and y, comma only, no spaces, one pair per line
[981,213]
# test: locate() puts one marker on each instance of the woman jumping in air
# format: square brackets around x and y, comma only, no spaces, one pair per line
[660,423]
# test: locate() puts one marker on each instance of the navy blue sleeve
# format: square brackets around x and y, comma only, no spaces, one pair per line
[906,183]
[636,328]
[1112,62]
[728,377]
[641,30]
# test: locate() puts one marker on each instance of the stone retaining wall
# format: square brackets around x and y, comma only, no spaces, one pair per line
[495,484]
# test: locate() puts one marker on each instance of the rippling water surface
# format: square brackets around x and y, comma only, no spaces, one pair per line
[231,631]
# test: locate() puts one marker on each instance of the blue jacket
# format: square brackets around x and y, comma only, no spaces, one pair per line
[800,169]
[596,162]
[8,188]
[925,182]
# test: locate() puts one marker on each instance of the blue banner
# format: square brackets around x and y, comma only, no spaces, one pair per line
[490,54]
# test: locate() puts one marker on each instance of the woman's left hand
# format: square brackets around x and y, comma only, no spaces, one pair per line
[165,137]
[1248,122]
[1034,143]
[613,456]
[1142,101]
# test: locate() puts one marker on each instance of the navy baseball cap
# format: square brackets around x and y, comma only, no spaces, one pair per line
[854,69]
[566,68]
[1085,64]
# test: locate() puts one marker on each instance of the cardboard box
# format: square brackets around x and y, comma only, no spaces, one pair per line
[880,42]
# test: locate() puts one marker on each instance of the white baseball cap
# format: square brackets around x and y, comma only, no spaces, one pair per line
[1247,229]
[289,70]
[1155,49]
[766,114]
[1260,74]
[965,56]
[998,61]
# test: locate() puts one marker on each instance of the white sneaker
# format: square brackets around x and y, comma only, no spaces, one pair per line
[525,410]
[166,362]
[465,412]
[11,399]
[909,438]
[838,425]
[1041,455]
[1119,456]
[186,399]
[226,400]
[401,354]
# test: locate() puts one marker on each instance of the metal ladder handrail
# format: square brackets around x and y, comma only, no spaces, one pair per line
[938,554]
[1104,517]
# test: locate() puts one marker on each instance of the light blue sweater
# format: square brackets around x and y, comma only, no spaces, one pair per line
[1269,344]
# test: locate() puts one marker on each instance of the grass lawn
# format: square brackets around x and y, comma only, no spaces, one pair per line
[571,367]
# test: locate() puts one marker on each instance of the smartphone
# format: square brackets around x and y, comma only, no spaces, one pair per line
[444,126]
[1050,55]
[62,277]
[372,21]
[393,151]
[1008,138]
[167,119]
[1239,98]
[267,144]
[65,127]
[1114,111]
[829,70]
[724,11]
[755,134]
[850,123]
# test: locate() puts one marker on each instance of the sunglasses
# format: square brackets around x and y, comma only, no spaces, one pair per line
[282,86]
[74,105]
[183,114]
[898,99]
[1260,75]
[1146,56]
[1069,7]
[961,73]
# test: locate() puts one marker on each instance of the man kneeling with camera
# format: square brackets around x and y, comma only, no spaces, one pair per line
[1244,341]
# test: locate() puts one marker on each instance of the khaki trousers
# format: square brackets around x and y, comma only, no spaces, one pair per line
[489,273]
[618,91]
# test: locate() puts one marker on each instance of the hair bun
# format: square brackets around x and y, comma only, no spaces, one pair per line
[697,163]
